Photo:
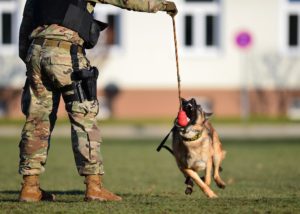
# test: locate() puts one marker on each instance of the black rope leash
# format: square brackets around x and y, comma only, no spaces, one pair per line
[161,145]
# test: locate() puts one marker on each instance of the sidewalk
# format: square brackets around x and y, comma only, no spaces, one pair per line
[160,131]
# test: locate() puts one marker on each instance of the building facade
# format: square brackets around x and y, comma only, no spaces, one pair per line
[237,57]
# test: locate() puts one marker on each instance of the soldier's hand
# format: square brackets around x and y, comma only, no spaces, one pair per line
[171,8]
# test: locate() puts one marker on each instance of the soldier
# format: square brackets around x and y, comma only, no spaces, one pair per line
[54,54]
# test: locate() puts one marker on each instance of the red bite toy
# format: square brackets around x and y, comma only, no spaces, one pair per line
[182,119]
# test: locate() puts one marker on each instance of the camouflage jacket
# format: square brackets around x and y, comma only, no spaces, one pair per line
[55,31]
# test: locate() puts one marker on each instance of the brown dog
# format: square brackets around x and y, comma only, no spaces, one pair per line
[196,148]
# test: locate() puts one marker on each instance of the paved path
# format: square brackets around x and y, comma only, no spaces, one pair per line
[160,131]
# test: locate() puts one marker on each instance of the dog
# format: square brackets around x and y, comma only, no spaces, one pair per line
[197,147]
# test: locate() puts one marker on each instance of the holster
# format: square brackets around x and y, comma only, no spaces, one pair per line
[87,78]
[84,81]
[83,87]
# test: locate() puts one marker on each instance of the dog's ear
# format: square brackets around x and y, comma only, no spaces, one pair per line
[193,102]
[183,101]
[208,114]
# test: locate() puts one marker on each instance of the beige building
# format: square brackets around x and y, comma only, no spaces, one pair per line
[237,57]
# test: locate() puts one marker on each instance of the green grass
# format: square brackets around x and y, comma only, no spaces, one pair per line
[253,119]
[262,176]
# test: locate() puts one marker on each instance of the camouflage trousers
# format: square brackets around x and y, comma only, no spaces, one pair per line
[49,69]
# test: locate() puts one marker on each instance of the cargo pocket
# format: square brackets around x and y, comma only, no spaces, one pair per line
[59,66]
[59,69]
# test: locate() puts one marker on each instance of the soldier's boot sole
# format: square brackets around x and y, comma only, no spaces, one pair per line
[42,196]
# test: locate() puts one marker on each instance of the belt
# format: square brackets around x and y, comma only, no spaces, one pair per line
[56,43]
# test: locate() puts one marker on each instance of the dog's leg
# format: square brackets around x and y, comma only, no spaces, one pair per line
[206,189]
[189,185]
[218,156]
[208,171]
[217,145]
[217,162]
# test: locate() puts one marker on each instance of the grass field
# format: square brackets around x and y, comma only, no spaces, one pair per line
[263,176]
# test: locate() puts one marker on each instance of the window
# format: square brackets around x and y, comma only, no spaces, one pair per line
[201,27]
[8,33]
[6,28]
[112,16]
[293,30]
[290,26]
[188,37]
[113,30]
[211,25]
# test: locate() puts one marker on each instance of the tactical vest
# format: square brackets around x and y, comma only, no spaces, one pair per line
[51,11]
[71,14]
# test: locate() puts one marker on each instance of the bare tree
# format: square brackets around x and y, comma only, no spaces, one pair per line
[272,70]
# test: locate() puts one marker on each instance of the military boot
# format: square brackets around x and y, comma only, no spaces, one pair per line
[31,191]
[95,191]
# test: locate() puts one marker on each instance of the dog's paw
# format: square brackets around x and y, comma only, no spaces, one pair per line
[213,196]
[188,191]
[221,185]
[210,194]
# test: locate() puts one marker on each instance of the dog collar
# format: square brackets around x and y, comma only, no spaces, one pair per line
[197,136]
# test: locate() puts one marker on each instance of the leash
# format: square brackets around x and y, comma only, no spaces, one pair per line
[177,63]
[161,145]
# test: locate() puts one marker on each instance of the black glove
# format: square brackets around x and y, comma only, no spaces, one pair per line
[171,8]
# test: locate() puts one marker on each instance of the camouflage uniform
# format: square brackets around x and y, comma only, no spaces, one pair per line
[48,69]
